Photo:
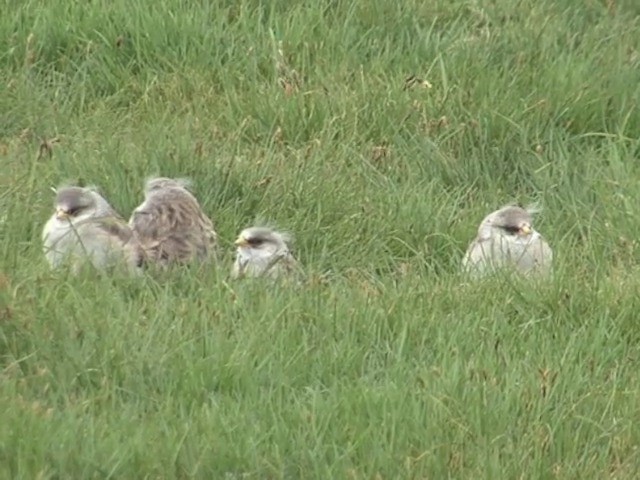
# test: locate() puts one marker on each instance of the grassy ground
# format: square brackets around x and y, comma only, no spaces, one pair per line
[386,363]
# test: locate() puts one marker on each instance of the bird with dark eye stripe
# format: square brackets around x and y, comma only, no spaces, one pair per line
[263,252]
[86,229]
[506,239]
[171,226]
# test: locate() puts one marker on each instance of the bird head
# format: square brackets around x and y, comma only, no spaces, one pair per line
[508,221]
[261,242]
[161,183]
[77,203]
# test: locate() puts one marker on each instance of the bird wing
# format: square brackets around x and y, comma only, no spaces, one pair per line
[116,228]
[283,265]
[106,241]
[479,255]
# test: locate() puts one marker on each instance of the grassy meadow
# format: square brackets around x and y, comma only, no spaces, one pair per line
[379,133]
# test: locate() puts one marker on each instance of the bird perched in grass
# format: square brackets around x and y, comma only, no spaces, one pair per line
[170,225]
[263,252]
[86,229]
[506,239]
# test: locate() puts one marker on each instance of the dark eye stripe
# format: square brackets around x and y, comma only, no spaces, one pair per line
[510,229]
[74,210]
[255,241]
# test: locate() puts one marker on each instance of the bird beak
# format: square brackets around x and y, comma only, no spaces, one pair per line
[525,230]
[241,242]
[61,214]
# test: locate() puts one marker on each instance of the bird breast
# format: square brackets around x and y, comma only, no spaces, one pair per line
[57,236]
[517,249]
[254,255]
[54,230]
[254,260]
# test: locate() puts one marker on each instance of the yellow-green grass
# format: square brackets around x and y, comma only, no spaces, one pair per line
[386,363]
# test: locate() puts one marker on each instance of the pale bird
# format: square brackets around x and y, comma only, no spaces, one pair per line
[86,229]
[263,252]
[170,224]
[506,239]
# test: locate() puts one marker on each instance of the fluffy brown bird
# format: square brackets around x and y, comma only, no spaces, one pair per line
[86,229]
[506,239]
[263,252]
[170,225]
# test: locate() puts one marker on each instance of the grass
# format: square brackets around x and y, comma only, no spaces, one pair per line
[386,363]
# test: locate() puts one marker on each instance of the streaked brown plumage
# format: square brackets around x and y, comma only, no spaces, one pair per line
[171,226]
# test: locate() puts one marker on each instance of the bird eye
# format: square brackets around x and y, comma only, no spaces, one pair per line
[255,241]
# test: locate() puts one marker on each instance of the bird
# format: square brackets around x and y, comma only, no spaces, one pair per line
[86,229]
[506,239]
[264,252]
[170,225]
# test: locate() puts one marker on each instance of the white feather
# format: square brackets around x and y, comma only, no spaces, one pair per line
[494,249]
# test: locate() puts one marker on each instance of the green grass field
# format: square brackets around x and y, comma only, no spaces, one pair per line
[386,363]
